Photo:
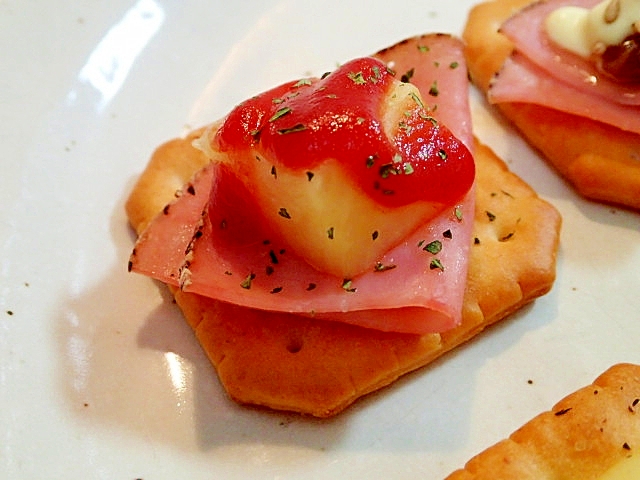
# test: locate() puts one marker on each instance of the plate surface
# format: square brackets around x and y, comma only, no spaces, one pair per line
[100,377]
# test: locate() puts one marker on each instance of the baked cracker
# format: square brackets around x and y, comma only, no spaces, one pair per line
[601,161]
[583,436]
[316,367]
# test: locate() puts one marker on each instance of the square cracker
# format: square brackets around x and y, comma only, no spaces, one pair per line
[584,435]
[601,161]
[317,367]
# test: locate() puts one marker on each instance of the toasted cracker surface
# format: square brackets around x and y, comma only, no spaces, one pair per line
[581,437]
[601,161]
[320,367]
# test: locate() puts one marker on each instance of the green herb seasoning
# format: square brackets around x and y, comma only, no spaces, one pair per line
[376,75]
[387,169]
[506,237]
[370,161]
[431,119]
[356,77]
[380,267]
[246,283]
[406,78]
[405,127]
[281,112]
[347,286]
[330,231]
[436,265]
[434,247]
[299,127]
[417,99]
[433,90]
[283,213]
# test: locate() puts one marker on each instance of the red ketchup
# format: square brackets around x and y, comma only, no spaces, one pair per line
[301,124]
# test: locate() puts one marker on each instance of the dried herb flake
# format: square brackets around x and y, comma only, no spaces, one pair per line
[302,82]
[347,285]
[284,213]
[559,413]
[406,78]
[436,264]
[433,90]
[434,247]
[380,267]
[246,283]
[356,77]
[298,127]
[330,231]
[281,112]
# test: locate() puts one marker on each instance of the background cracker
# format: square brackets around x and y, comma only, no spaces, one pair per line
[601,161]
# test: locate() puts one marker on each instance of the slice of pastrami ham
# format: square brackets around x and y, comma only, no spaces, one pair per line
[231,255]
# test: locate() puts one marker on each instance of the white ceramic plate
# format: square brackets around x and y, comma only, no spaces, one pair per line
[99,375]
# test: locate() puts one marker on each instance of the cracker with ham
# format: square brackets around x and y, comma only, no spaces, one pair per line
[590,434]
[294,362]
[590,136]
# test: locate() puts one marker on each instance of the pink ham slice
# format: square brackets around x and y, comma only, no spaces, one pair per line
[250,271]
[527,32]
[521,81]
[435,64]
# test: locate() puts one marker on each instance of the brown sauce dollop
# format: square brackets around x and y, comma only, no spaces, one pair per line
[622,62]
